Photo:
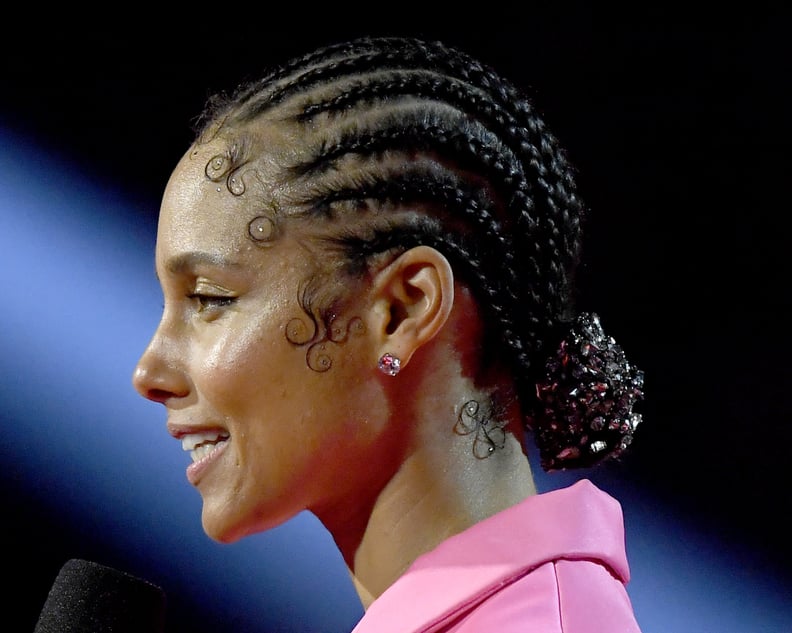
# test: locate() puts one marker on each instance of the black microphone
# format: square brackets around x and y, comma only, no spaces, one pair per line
[87,597]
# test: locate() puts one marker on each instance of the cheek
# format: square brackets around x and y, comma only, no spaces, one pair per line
[243,363]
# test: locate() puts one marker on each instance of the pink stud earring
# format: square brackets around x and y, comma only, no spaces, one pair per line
[389,364]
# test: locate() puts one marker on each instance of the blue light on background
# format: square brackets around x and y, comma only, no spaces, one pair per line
[81,302]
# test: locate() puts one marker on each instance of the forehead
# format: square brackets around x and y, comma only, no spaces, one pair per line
[201,208]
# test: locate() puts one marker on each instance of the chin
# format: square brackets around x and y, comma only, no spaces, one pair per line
[218,528]
[221,536]
[221,529]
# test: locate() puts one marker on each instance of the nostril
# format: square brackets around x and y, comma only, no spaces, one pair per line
[158,395]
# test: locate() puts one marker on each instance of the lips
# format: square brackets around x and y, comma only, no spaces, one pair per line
[205,448]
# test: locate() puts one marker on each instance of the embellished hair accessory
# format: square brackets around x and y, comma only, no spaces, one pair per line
[586,397]
[389,364]
[261,229]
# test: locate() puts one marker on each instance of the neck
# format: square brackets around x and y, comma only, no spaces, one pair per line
[426,483]
[412,517]
[439,489]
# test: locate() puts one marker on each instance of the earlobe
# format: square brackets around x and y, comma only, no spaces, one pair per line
[414,295]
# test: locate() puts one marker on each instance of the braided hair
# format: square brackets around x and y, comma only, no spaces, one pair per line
[436,149]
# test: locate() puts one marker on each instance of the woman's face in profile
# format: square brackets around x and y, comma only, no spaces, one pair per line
[269,435]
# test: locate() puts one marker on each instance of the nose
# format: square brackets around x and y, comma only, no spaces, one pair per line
[159,375]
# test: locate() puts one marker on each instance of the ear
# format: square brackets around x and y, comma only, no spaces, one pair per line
[412,300]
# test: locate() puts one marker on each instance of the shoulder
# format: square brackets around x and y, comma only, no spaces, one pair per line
[566,596]
[554,563]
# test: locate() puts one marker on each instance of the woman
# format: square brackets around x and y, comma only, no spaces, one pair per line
[367,259]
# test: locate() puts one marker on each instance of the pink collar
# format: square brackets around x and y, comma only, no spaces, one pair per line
[577,522]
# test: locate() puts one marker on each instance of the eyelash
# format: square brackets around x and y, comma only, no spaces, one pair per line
[209,302]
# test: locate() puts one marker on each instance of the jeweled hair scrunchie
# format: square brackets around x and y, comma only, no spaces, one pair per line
[587,398]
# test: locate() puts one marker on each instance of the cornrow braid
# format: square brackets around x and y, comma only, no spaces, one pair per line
[478,154]
[401,124]
[468,80]
[493,287]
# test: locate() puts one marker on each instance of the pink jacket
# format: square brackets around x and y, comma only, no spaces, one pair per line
[554,563]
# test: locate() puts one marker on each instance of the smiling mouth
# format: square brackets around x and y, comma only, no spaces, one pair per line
[200,445]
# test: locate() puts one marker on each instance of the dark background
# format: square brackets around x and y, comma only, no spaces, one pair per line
[679,126]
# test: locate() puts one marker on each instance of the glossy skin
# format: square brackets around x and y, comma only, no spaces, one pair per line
[220,361]
[402,166]
[374,457]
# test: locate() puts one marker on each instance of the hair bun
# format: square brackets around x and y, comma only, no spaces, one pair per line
[586,399]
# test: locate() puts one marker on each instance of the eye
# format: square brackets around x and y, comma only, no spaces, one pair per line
[211,302]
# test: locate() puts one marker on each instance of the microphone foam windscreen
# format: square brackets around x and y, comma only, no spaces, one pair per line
[89,597]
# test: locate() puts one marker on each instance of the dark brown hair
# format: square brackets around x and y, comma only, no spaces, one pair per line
[437,149]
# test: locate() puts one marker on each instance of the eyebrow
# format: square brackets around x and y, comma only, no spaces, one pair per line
[185,261]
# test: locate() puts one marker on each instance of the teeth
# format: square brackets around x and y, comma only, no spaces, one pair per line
[201,444]
[202,451]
